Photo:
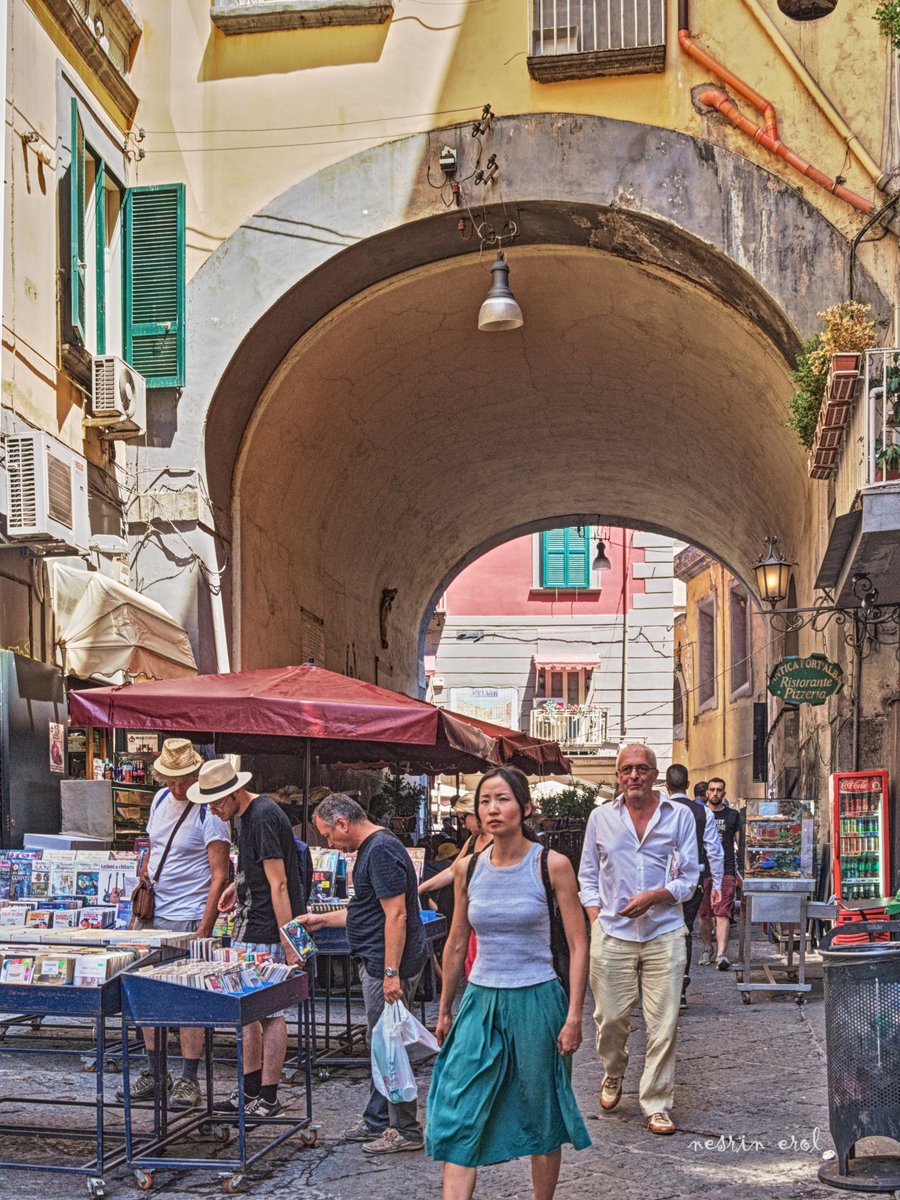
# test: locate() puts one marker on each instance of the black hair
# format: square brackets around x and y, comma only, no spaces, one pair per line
[718,779]
[700,788]
[517,781]
[677,777]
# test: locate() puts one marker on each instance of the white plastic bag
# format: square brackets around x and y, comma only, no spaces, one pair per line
[391,1072]
[419,1042]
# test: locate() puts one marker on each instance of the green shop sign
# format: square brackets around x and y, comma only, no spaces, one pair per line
[809,680]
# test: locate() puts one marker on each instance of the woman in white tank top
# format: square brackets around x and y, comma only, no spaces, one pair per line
[501,1086]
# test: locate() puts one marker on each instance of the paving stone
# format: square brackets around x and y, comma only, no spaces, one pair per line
[751,1109]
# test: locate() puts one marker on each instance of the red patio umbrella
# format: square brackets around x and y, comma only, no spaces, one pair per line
[287,709]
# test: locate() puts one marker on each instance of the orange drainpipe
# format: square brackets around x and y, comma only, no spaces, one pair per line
[766,135]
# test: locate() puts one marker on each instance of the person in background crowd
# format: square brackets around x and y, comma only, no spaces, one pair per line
[501,1086]
[476,841]
[709,850]
[385,931]
[313,837]
[267,894]
[187,891]
[638,866]
[728,823]
[700,791]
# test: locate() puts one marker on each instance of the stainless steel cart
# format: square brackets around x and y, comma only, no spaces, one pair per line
[778,901]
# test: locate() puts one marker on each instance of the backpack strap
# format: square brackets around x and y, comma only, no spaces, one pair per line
[545,879]
[158,799]
[473,863]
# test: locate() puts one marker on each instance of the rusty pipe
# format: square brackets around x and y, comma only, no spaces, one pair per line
[768,135]
[730,110]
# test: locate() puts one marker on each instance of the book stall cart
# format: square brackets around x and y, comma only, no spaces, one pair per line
[779,878]
[73,973]
[217,993]
[49,891]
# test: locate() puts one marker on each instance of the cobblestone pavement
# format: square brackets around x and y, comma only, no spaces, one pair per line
[751,1109]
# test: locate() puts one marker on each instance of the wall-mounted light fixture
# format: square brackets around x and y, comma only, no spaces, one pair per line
[601,562]
[863,625]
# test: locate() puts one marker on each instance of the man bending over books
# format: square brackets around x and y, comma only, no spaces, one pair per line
[385,931]
[266,894]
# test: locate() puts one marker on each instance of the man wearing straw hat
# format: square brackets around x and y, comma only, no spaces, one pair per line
[188,864]
[267,895]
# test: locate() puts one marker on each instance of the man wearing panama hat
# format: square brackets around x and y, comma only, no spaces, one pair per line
[188,864]
[266,894]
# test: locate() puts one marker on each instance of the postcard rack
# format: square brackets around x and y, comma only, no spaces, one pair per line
[161,1004]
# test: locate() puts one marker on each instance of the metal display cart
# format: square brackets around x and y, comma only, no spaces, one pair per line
[99,1004]
[340,1044]
[778,901]
[159,1004]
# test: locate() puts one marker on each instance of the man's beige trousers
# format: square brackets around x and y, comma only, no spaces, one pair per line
[618,969]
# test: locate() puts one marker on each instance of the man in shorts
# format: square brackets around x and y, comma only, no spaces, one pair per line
[266,894]
[728,823]
[186,894]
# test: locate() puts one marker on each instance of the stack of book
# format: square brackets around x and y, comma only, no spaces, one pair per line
[223,977]
[78,967]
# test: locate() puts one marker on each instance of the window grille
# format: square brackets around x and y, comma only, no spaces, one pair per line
[612,36]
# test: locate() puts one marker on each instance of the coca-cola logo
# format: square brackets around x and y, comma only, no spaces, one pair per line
[861,785]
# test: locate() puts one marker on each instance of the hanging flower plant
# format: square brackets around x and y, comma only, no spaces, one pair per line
[888,17]
[848,329]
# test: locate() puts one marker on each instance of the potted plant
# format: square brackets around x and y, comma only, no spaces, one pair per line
[827,372]
[887,460]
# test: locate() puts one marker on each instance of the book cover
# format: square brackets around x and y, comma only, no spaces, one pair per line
[40,878]
[62,875]
[5,869]
[54,969]
[39,919]
[19,878]
[96,917]
[301,941]
[123,914]
[17,969]
[87,884]
[90,970]
[66,918]
[116,880]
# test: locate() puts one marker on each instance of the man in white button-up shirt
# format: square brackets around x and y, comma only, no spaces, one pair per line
[638,865]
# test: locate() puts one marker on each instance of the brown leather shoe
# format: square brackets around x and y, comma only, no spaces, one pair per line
[661,1123]
[610,1092]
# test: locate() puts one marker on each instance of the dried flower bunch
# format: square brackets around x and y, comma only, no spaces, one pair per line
[848,329]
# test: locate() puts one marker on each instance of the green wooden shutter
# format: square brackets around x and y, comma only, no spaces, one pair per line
[154,318]
[100,241]
[577,565]
[564,558]
[553,558]
[78,265]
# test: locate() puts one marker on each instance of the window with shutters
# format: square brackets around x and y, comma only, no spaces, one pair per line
[564,558]
[740,650]
[127,266]
[706,655]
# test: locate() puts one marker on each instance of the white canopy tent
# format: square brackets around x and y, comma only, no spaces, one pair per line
[110,632]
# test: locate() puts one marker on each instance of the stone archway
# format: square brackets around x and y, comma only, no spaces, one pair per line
[363,437]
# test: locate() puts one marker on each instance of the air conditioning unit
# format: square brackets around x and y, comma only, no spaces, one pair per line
[119,397]
[47,499]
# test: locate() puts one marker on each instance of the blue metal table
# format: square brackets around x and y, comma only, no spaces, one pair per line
[157,1004]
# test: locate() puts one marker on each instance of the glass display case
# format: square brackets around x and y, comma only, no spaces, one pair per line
[779,839]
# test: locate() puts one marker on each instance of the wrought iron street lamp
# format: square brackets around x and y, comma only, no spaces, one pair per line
[862,626]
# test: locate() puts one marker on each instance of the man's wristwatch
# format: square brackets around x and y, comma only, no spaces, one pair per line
[391,973]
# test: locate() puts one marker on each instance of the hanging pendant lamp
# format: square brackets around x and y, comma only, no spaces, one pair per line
[500,310]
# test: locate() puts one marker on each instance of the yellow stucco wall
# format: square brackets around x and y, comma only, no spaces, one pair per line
[242,118]
[719,735]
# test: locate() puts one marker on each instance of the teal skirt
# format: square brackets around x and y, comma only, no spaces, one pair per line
[500,1088]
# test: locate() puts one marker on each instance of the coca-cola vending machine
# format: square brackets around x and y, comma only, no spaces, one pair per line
[861,838]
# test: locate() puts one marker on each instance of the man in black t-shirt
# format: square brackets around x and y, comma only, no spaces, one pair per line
[385,932]
[728,823]
[266,894]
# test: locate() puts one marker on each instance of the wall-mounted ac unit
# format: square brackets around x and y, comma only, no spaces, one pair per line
[119,397]
[47,497]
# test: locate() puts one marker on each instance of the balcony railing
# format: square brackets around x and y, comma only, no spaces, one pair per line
[582,726]
[870,453]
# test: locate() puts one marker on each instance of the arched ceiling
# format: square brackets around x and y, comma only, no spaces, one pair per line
[394,439]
